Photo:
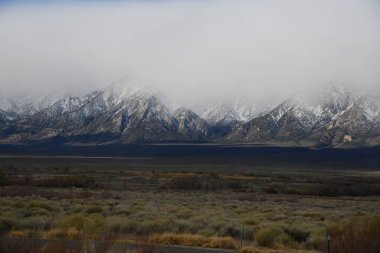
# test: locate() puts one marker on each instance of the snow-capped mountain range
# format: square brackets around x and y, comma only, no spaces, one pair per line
[129,113]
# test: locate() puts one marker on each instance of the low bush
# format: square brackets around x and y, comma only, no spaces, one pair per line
[297,234]
[94,209]
[356,235]
[73,221]
[40,204]
[94,226]
[186,183]
[73,234]
[227,230]
[36,223]
[7,224]
[120,224]
[272,237]
[265,237]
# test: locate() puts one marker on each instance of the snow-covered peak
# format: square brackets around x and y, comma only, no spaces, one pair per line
[315,108]
[29,103]
[230,111]
[370,105]
[69,103]
[326,102]
[183,112]
[126,89]
[5,103]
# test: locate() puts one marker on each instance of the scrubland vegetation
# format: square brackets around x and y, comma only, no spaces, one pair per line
[277,212]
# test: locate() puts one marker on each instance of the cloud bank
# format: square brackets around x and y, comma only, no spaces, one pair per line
[191,50]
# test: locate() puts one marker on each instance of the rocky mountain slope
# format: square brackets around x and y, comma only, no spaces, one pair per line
[127,113]
[4,118]
[297,118]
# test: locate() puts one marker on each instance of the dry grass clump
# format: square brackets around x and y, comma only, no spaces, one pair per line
[193,240]
[73,221]
[356,235]
[74,234]
[178,239]
[78,225]
[55,234]
[17,234]
[37,222]
[221,242]
[282,235]
[42,204]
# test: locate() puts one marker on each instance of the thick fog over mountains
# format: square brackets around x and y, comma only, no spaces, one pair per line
[274,72]
[193,51]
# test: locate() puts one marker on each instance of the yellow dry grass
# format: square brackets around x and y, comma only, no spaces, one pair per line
[193,240]
[16,234]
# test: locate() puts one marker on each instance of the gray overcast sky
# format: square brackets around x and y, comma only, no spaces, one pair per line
[190,49]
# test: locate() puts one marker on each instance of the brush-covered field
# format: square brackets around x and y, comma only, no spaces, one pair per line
[211,205]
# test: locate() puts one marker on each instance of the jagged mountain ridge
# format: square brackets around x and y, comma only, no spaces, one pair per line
[360,122]
[224,116]
[296,118]
[4,117]
[133,113]
[119,114]
[227,112]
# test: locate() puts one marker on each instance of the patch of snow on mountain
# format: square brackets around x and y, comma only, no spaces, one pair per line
[227,112]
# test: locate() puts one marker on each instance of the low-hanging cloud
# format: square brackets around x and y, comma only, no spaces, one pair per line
[191,50]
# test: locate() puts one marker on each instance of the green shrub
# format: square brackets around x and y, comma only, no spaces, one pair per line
[250,221]
[269,237]
[147,227]
[248,233]
[42,205]
[297,233]
[94,209]
[120,224]
[36,211]
[231,230]
[265,237]
[36,223]
[7,224]
[286,240]
[179,225]
[76,220]
[94,226]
